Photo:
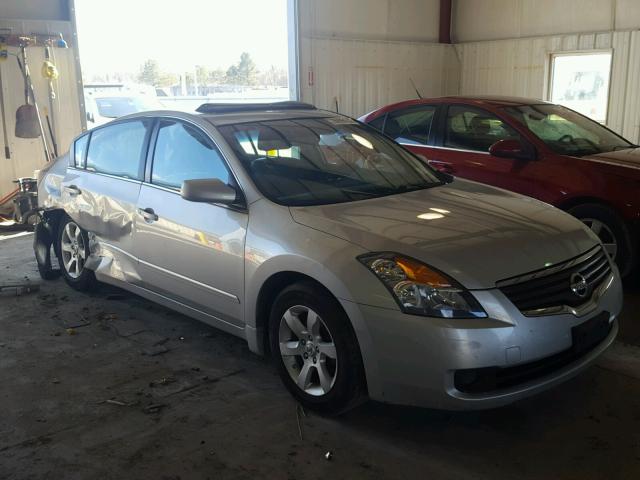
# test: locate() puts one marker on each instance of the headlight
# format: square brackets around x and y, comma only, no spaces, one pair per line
[420,289]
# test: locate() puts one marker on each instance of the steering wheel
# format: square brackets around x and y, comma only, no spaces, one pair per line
[567,139]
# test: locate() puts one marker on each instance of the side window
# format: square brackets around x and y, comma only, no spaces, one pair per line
[118,149]
[471,128]
[80,150]
[378,123]
[411,126]
[183,152]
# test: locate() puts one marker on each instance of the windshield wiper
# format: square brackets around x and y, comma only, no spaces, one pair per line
[623,147]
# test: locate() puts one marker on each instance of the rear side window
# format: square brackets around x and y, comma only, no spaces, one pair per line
[469,128]
[183,152]
[410,126]
[80,150]
[119,149]
[378,123]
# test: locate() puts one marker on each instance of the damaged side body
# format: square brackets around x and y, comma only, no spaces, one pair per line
[99,205]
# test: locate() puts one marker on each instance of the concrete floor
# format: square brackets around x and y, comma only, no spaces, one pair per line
[187,401]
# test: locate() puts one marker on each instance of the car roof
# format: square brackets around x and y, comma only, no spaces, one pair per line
[478,100]
[228,118]
[224,114]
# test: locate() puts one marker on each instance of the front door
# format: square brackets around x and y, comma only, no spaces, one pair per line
[190,252]
[463,150]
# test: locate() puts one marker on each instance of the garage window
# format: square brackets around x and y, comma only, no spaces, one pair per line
[581,82]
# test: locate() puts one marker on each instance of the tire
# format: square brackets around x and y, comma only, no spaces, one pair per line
[341,366]
[611,229]
[72,247]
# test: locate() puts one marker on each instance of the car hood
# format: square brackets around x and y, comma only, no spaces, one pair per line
[629,157]
[475,233]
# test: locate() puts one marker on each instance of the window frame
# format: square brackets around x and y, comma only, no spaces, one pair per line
[550,67]
[143,153]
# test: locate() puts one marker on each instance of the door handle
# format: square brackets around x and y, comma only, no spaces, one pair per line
[72,190]
[148,214]
[442,166]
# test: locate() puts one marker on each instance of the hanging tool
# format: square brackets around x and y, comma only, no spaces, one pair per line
[50,72]
[4,54]
[27,114]
[28,118]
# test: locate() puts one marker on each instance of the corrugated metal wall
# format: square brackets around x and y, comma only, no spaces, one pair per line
[27,154]
[364,75]
[364,53]
[520,67]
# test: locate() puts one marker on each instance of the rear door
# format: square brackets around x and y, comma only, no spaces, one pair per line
[101,187]
[190,252]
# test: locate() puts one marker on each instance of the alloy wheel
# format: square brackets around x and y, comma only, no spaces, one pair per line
[307,350]
[73,250]
[605,235]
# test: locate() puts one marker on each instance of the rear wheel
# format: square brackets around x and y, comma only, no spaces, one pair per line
[315,350]
[73,251]
[612,232]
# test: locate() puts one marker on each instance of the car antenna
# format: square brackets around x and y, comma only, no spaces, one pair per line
[415,88]
[335,99]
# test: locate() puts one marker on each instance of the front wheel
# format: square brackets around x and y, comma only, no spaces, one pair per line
[612,232]
[73,252]
[315,350]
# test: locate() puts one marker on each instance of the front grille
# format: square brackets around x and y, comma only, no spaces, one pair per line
[570,283]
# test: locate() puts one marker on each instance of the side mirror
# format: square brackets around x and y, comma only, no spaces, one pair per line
[511,148]
[211,190]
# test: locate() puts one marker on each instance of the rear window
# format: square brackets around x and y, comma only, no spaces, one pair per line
[118,149]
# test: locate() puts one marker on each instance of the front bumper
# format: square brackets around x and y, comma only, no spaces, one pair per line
[412,360]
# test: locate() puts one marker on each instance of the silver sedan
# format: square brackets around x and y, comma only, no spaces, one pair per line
[362,271]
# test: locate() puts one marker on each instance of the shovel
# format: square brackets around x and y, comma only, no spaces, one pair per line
[27,119]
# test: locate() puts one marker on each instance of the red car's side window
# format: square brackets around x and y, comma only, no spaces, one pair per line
[411,126]
[469,128]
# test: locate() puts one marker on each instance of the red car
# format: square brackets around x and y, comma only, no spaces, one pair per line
[531,147]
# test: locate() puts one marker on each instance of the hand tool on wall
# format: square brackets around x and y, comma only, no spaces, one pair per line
[27,114]
[7,152]
[28,120]
[50,72]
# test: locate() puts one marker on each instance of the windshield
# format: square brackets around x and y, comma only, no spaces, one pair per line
[567,132]
[325,160]
[114,107]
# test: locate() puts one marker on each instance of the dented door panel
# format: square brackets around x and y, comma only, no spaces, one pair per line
[104,205]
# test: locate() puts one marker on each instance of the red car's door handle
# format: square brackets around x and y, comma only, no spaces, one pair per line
[442,166]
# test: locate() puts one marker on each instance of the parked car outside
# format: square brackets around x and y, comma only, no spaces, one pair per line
[362,270]
[101,108]
[534,148]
